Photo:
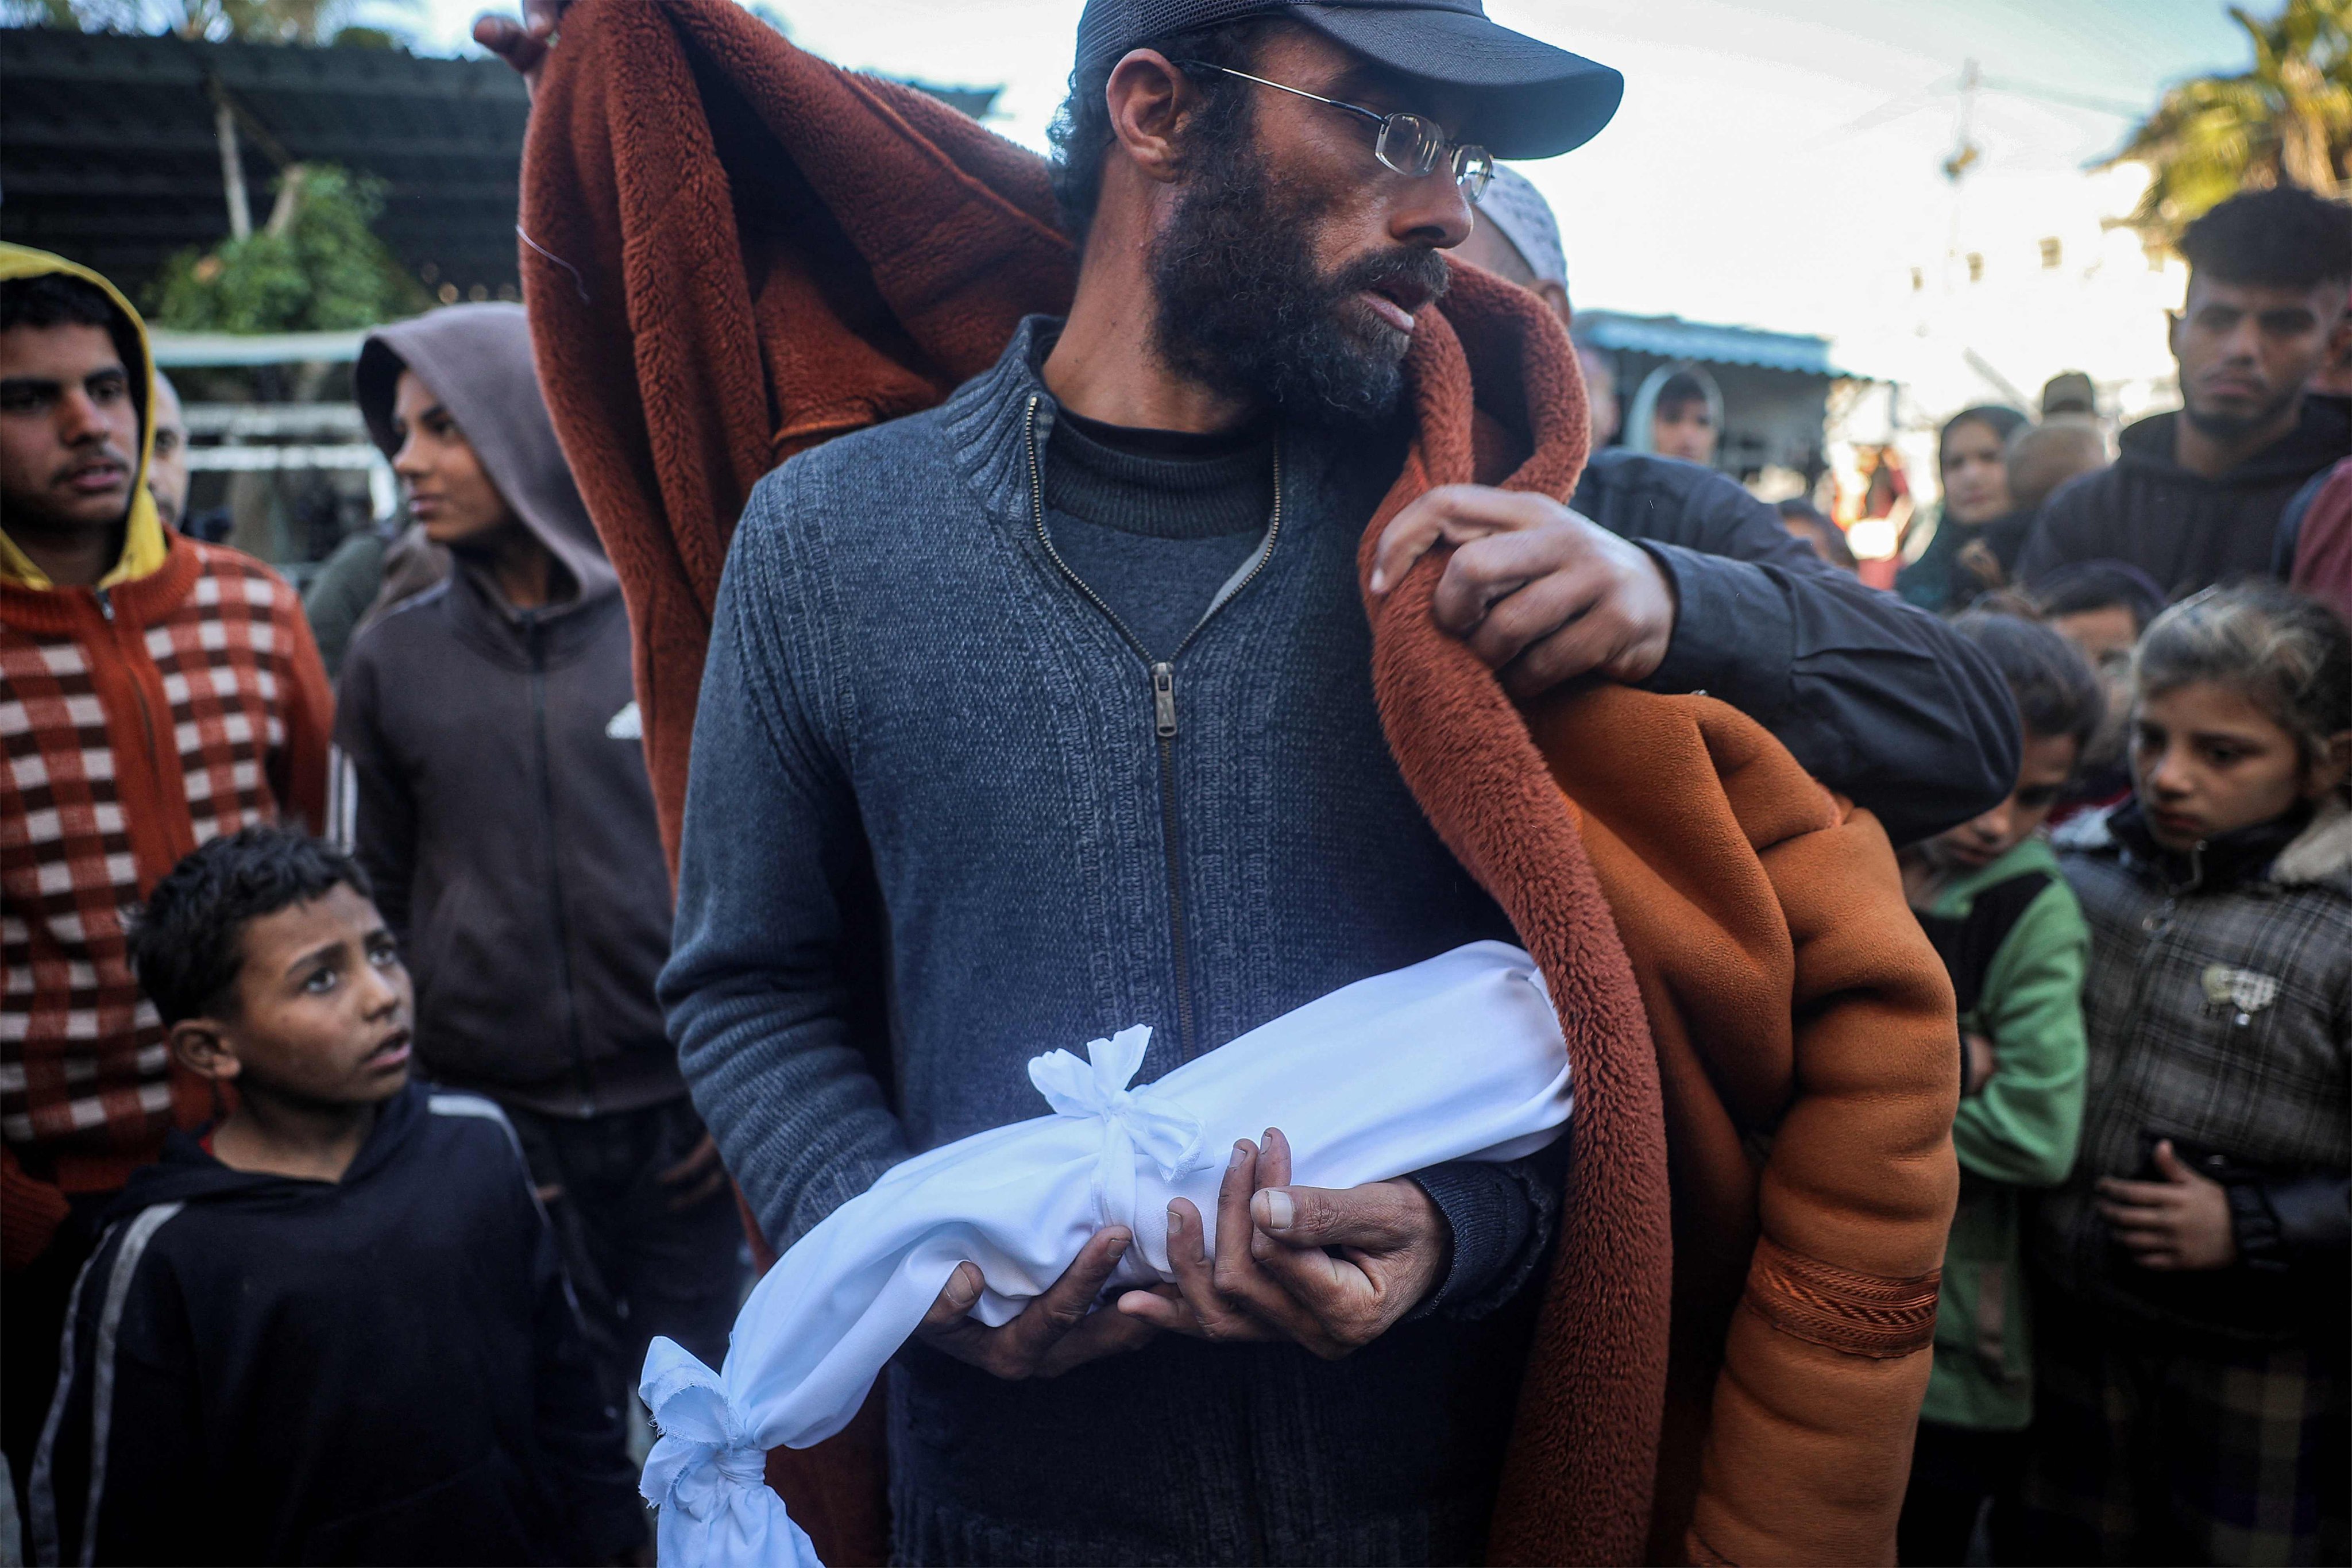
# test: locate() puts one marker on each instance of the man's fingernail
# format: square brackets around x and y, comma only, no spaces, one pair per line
[1379,582]
[1241,1151]
[1175,1222]
[1278,1210]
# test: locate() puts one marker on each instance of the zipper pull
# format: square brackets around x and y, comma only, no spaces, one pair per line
[1163,698]
[105,603]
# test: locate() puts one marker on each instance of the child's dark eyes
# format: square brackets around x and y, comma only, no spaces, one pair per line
[385,953]
[319,982]
[2035,799]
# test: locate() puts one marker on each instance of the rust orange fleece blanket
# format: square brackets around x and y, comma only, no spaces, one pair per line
[733,250]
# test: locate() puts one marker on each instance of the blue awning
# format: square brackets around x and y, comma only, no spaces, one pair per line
[1671,337]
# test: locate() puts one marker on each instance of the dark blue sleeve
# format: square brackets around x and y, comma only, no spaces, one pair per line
[128,1387]
[756,988]
[1875,698]
[1502,1218]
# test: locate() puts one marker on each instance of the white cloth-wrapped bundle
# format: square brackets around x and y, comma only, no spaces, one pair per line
[1459,1058]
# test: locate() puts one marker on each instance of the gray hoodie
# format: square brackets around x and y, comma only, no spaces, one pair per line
[496,780]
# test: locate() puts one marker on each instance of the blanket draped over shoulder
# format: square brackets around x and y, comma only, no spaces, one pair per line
[733,250]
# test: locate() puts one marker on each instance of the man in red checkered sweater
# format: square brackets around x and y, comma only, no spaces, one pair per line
[155,692]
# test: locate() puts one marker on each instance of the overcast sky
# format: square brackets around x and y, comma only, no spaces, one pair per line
[1776,161]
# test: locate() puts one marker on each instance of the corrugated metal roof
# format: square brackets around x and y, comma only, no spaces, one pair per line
[1671,337]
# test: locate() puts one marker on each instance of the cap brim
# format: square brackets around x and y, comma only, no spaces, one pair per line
[1531,100]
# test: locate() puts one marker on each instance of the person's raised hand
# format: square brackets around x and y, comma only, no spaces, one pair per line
[1542,594]
[523,45]
[2179,1223]
[1056,1332]
[1270,1277]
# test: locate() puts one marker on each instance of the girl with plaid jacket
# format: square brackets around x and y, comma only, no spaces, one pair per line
[2192,1332]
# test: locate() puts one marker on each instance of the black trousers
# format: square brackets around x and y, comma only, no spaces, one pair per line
[32,1326]
[640,1267]
[1955,1471]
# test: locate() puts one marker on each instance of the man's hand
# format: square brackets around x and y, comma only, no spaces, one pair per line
[2179,1223]
[696,1178]
[1272,1278]
[1540,593]
[1054,1332]
[522,45]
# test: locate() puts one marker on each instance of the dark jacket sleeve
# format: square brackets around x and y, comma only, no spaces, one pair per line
[1878,700]
[758,988]
[380,814]
[2300,1225]
[132,1386]
[582,1438]
[1501,1218]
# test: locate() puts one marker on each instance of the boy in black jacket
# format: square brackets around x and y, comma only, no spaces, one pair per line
[335,1328]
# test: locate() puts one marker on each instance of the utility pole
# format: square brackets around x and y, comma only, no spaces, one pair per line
[240,214]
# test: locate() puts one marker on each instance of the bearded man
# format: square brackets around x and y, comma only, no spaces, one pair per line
[1074,667]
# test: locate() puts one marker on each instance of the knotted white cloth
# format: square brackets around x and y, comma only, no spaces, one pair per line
[1458,1058]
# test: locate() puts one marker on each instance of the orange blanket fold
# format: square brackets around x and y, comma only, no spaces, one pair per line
[734,250]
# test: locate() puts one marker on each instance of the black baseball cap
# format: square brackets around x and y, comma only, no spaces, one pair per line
[1532,101]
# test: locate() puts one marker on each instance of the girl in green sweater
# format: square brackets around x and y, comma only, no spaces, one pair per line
[1989,895]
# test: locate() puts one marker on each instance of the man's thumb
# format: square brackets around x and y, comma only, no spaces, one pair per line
[1308,1217]
[2171,1164]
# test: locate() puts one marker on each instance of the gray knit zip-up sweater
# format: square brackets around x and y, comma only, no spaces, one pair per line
[903,686]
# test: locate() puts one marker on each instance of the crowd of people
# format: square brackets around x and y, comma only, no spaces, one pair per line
[368,1105]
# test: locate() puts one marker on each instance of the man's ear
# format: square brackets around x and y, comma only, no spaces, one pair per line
[1553,292]
[1147,96]
[203,1047]
[2339,341]
[2172,320]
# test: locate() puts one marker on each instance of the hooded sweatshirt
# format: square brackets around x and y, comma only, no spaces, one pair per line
[498,792]
[179,698]
[387,1369]
[2182,529]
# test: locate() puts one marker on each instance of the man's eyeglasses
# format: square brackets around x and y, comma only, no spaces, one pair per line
[1412,144]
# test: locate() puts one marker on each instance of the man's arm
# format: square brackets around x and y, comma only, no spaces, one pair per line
[298,770]
[379,814]
[769,853]
[1876,699]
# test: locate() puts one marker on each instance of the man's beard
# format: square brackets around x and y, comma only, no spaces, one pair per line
[1242,309]
[2222,426]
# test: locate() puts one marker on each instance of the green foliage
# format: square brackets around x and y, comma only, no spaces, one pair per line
[259,21]
[317,267]
[2288,119]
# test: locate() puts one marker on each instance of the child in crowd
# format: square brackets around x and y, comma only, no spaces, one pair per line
[1991,897]
[2192,1337]
[2100,607]
[334,1329]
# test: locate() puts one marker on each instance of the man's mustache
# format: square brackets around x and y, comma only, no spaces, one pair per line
[1413,272]
[105,452]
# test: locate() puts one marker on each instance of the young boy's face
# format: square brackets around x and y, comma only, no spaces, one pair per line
[2048,763]
[322,1007]
[2207,761]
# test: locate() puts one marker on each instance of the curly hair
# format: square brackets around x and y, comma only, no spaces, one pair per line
[188,944]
